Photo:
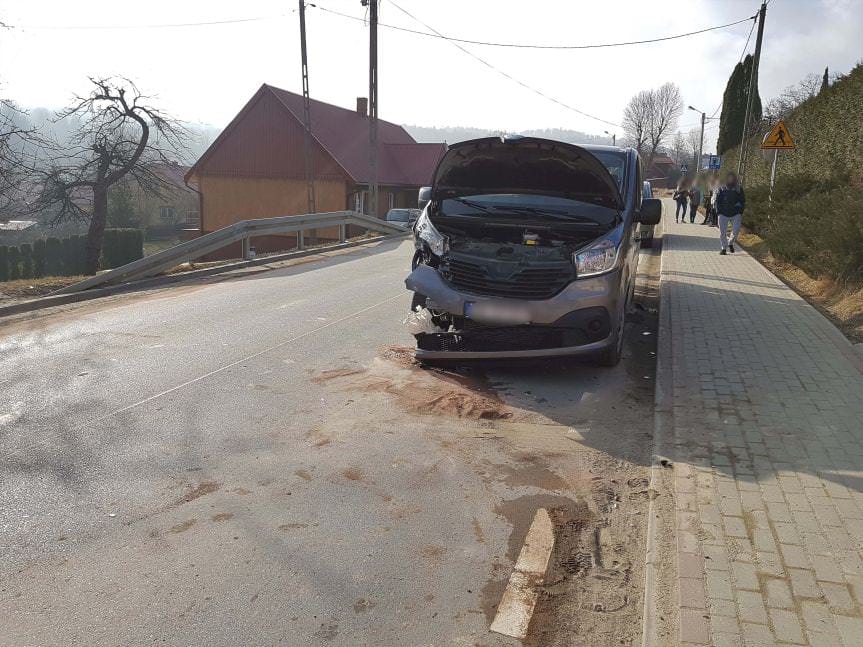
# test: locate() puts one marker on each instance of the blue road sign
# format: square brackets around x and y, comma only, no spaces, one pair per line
[715,162]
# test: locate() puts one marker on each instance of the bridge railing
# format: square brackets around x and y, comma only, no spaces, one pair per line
[239,231]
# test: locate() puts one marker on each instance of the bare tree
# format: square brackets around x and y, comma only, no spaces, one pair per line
[18,138]
[636,119]
[118,135]
[679,148]
[650,117]
[666,107]
[693,143]
[781,106]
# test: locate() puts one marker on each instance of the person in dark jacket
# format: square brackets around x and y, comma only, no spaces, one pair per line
[694,201]
[681,197]
[730,203]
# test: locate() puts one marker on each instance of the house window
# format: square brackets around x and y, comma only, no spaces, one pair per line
[167,214]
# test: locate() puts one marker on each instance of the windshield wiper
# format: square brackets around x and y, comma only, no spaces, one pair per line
[472,205]
[552,215]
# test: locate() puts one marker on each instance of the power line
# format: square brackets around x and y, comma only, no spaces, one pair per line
[742,55]
[231,21]
[505,74]
[435,34]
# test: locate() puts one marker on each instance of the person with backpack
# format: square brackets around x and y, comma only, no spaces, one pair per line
[681,197]
[730,203]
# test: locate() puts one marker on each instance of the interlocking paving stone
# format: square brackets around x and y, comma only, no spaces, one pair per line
[767,442]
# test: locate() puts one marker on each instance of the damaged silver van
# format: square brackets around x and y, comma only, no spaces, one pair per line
[527,248]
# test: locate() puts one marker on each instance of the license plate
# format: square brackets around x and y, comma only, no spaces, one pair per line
[496,313]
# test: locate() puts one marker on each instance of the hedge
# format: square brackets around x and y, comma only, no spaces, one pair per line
[816,218]
[4,262]
[26,261]
[39,258]
[14,261]
[828,132]
[815,224]
[67,257]
[122,246]
[53,257]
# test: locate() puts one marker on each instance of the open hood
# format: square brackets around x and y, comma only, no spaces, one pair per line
[526,165]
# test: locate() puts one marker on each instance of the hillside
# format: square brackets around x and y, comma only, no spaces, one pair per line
[828,131]
[811,234]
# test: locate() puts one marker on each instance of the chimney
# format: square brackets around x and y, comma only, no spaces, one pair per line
[363,106]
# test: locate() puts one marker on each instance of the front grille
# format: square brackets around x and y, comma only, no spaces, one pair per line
[484,339]
[536,282]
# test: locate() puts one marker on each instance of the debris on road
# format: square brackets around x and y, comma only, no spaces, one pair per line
[435,392]
[419,322]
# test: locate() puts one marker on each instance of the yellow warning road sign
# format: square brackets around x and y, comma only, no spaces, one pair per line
[778,138]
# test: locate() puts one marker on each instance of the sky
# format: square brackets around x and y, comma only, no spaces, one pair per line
[205,74]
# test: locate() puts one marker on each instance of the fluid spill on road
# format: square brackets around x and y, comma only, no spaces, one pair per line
[425,392]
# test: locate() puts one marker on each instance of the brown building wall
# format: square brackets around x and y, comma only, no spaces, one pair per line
[227,200]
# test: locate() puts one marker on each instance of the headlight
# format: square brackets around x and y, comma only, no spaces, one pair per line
[596,259]
[426,231]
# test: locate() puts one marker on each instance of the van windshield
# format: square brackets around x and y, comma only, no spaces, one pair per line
[615,163]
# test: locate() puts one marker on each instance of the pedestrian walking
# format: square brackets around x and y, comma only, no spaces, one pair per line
[708,196]
[681,197]
[694,201]
[730,204]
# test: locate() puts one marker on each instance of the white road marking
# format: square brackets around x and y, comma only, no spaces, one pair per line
[519,598]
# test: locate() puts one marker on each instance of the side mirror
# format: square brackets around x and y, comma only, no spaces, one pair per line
[650,212]
[424,197]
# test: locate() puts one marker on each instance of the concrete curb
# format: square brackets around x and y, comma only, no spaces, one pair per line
[62,299]
[662,426]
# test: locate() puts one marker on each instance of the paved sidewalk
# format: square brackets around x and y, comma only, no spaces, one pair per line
[766,437]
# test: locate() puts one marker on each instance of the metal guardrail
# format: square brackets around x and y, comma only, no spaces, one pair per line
[239,231]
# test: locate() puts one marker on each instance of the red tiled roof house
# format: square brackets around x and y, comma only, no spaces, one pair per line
[256,167]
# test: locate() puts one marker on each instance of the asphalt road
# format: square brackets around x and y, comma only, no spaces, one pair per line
[256,461]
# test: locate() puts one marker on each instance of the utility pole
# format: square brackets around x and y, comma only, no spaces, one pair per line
[700,140]
[373,104]
[613,137]
[753,88]
[700,146]
[307,122]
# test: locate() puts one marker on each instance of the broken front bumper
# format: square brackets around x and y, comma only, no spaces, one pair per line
[576,321]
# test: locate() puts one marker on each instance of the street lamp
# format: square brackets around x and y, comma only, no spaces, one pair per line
[701,139]
[613,137]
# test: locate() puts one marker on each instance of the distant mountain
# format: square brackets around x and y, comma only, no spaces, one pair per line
[452,134]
